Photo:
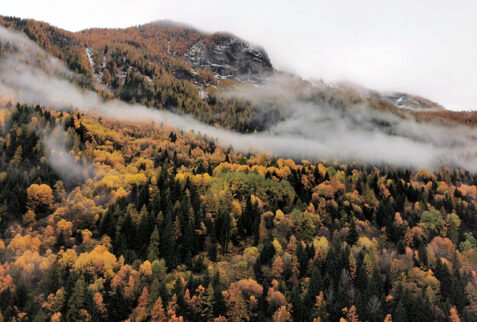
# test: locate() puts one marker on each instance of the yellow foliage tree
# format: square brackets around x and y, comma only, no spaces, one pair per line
[282,315]
[29,217]
[98,261]
[20,244]
[39,197]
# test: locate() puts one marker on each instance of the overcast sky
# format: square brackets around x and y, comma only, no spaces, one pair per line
[424,47]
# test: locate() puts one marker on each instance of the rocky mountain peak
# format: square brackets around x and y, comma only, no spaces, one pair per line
[229,57]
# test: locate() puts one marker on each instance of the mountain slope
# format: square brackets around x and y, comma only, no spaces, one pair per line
[174,66]
[109,213]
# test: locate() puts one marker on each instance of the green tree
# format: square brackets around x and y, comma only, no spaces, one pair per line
[453,225]
[433,220]
[400,313]
[353,235]
[153,249]
[307,230]
[77,300]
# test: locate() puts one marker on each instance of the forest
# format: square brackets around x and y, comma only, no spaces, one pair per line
[156,225]
[114,220]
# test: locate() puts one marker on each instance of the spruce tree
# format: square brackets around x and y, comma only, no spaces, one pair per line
[400,313]
[153,249]
[353,235]
[77,300]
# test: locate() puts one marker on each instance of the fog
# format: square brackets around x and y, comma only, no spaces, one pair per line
[61,160]
[309,130]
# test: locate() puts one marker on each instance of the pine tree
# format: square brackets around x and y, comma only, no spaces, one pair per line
[108,223]
[155,290]
[177,229]
[267,253]
[361,280]
[153,249]
[77,300]
[249,216]
[218,301]
[127,234]
[144,231]
[168,244]
[299,311]
[400,313]
[118,307]
[443,274]
[316,282]
[188,239]
[353,235]
[302,256]
[223,227]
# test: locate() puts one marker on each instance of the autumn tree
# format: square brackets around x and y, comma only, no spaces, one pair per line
[319,309]
[282,315]
[40,198]
[454,316]
[351,314]
[29,217]
[157,313]
[277,268]
[140,312]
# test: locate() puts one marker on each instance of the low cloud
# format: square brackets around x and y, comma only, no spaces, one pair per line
[355,132]
[308,130]
[71,171]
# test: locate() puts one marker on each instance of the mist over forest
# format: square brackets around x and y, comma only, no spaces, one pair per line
[161,173]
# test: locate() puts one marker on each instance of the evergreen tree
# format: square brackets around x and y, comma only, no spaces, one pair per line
[77,300]
[223,227]
[267,253]
[299,311]
[218,301]
[153,249]
[248,217]
[399,313]
[353,235]
[167,243]
[118,307]
[302,256]
[316,282]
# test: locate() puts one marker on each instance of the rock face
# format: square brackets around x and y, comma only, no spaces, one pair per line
[411,102]
[230,58]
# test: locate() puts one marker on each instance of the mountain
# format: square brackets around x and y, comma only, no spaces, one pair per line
[171,44]
[171,65]
[158,173]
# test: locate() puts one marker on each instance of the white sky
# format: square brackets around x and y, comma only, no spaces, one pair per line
[424,47]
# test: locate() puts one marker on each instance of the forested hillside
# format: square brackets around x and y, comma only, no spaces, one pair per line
[147,65]
[110,220]
[159,224]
